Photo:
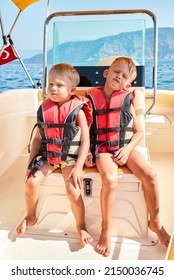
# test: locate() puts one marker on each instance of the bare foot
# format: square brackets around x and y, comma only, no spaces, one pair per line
[104,245]
[85,237]
[160,231]
[24,224]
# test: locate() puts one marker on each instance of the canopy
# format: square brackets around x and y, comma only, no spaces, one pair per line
[22,4]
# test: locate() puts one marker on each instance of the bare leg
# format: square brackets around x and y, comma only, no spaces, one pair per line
[31,197]
[144,171]
[77,206]
[108,172]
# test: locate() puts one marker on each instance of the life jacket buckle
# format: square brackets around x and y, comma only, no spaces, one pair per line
[43,125]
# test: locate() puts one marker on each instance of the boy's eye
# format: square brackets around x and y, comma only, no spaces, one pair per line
[117,71]
[125,77]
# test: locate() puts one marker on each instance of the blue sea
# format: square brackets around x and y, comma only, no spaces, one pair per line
[13,76]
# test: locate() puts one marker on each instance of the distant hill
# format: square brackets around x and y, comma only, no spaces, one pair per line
[127,43]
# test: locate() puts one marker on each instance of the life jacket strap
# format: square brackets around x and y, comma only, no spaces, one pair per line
[107,143]
[31,135]
[112,129]
[56,141]
[106,130]
[55,154]
[124,141]
[108,110]
[51,154]
[35,164]
[54,125]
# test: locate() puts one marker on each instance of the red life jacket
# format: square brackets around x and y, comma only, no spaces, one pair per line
[111,121]
[58,127]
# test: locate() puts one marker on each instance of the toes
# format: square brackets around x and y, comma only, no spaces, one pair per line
[87,240]
[102,250]
[21,230]
[23,226]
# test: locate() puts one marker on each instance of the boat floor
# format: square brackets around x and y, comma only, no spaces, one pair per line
[39,245]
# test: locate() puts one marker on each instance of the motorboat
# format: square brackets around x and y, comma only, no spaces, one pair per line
[54,237]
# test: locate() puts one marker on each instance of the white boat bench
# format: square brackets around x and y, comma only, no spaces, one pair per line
[160,122]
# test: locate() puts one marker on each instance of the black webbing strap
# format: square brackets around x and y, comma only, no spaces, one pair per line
[106,130]
[56,141]
[112,129]
[31,137]
[55,154]
[51,154]
[47,125]
[107,143]
[108,110]
[54,125]
[36,164]
[124,141]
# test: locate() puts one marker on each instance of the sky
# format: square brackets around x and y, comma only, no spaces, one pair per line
[28,31]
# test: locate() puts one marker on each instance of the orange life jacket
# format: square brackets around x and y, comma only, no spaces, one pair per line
[111,122]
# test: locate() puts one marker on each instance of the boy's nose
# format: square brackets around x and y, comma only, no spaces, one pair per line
[118,76]
[53,88]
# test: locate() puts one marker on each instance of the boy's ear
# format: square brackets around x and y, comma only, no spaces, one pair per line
[105,73]
[73,90]
[128,86]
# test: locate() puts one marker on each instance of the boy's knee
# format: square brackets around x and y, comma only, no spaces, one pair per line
[30,185]
[110,180]
[73,194]
[152,175]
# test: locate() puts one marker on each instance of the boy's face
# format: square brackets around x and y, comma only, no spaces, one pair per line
[117,76]
[59,88]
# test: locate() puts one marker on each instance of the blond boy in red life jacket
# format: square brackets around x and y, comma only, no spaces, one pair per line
[108,153]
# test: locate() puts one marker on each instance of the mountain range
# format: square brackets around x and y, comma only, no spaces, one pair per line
[126,43]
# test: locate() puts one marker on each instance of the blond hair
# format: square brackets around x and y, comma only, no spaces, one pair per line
[130,63]
[66,70]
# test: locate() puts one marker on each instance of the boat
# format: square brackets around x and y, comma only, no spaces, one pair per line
[54,237]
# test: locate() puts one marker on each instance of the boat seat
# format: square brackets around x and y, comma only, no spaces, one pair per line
[130,216]
[159,122]
[161,115]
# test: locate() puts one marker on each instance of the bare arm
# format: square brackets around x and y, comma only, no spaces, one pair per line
[85,142]
[137,131]
[122,154]
[77,172]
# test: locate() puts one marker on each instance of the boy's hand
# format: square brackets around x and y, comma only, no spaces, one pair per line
[121,156]
[76,175]
[89,160]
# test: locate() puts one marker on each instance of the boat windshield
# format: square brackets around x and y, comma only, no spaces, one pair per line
[85,42]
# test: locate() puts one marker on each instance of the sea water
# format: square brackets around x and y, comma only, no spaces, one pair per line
[13,76]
